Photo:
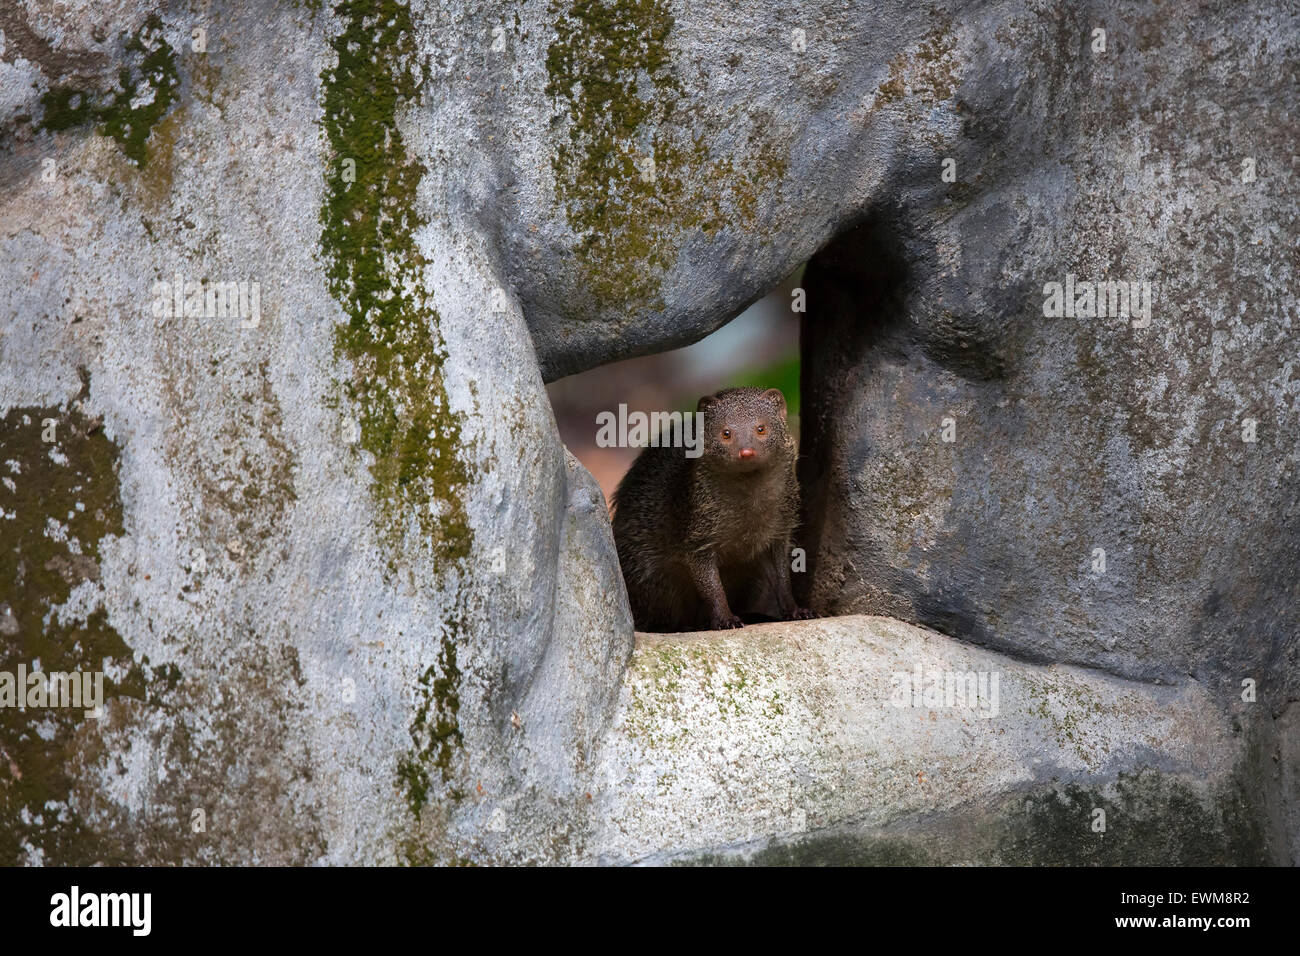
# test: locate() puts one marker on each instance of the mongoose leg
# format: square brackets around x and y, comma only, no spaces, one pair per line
[779,575]
[704,572]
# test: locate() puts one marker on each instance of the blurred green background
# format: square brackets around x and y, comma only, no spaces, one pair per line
[760,347]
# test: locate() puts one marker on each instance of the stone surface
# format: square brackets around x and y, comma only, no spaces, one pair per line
[353,600]
[347,575]
[1094,490]
[770,126]
[796,729]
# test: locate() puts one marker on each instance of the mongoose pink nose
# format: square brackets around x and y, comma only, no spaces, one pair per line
[746,453]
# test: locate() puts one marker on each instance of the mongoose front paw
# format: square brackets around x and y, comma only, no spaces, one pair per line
[724,622]
[801,614]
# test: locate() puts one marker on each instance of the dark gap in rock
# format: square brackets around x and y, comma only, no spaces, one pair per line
[856,287]
[758,348]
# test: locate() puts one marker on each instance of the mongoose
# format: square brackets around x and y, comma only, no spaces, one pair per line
[698,537]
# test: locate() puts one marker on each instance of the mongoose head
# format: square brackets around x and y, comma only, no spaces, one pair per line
[745,428]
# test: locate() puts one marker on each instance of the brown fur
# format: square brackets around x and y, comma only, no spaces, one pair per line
[698,537]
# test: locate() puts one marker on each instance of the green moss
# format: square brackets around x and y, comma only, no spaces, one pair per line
[436,729]
[609,62]
[610,66]
[151,64]
[66,107]
[54,512]
[60,504]
[375,271]
[1063,705]
[131,126]
[414,780]
[735,682]
[1151,819]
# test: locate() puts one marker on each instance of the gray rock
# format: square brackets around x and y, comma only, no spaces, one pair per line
[1113,495]
[354,602]
[770,127]
[866,740]
[351,591]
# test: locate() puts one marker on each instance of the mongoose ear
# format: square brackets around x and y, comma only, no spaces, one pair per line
[774,396]
[705,402]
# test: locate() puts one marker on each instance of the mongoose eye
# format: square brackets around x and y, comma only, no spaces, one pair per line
[761,429]
[726,433]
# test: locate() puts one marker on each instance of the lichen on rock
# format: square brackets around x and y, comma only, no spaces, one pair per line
[633,176]
[59,499]
[375,271]
[146,88]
